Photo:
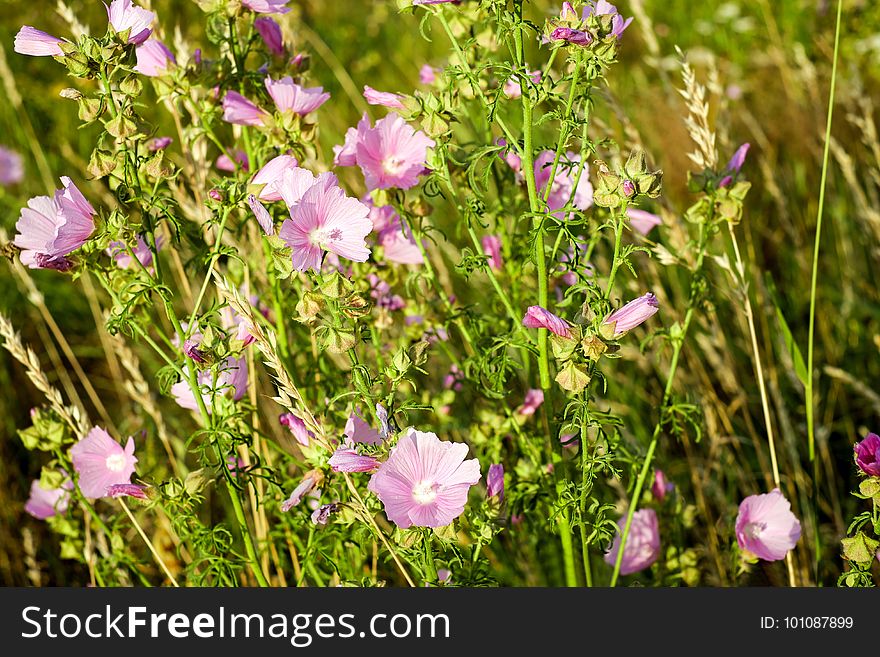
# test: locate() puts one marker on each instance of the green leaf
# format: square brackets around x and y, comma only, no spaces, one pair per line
[800,368]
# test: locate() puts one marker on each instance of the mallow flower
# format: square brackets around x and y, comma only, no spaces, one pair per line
[123,15]
[101,462]
[34,42]
[631,315]
[642,544]
[867,454]
[766,527]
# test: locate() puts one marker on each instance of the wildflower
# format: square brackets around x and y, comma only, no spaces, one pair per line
[661,486]
[735,164]
[538,317]
[291,97]
[51,228]
[495,481]
[263,217]
[425,481]
[127,490]
[492,248]
[391,154]
[642,544]
[359,431]
[604,8]
[44,503]
[34,42]
[397,242]
[346,459]
[631,315]
[306,486]
[296,427]
[766,527]
[270,31]
[232,378]
[235,465]
[321,515]
[11,167]
[428,74]
[642,221]
[101,462]
[271,177]
[383,98]
[512,87]
[267,6]
[868,455]
[454,378]
[238,160]
[532,402]
[159,143]
[239,110]
[380,291]
[325,219]
[122,257]
[136,21]
[154,58]
[563,191]
[570,35]
[384,424]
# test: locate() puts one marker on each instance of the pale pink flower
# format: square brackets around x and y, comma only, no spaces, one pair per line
[121,256]
[492,248]
[642,221]
[239,328]
[632,314]
[267,6]
[101,462]
[297,428]
[513,88]
[605,8]
[346,155]
[291,97]
[230,165]
[51,228]
[239,110]
[661,486]
[425,481]
[397,241]
[359,431]
[346,459]
[766,527]
[154,58]
[11,167]
[271,33]
[321,515]
[271,175]
[232,378]
[34,42]
[46,502]
[127,490]
[159,143]
[384,98]
[306,486]
[262,214]
[531,402]
[325,219]
[538,317]
[563,191]
[123,15]
[642,544]
[428,74]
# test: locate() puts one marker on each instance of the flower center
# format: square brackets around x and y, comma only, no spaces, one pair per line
[115,463]
[321,237]
[393,165]
[425,492]
[754,529]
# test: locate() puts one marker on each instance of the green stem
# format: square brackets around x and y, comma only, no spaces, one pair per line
[564,526]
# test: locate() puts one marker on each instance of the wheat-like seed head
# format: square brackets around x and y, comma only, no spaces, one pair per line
[697,121]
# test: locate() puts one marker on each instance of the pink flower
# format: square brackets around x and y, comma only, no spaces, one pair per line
[271,33]
[495,481]
[225,163]
[11,167]
[425,481]
[239,110]
[766,527]
[296,427]
[154,58]
[49,229]
[735,164]
[572,36]
[538,317]
[642,221]
[397,241]
[34,42]
[492,248]
[391,154]
[231,320]
[291,97]
[101,462]
[46,502]
[346,459]
[267,6]
[159,143]
[383,98]
[122,257]
[428,74]
[562,191]
[868,455]
[359,431]
[306,486]
[642,544]
[324,219]
[661,486]
[532,402]
[321,515]
[271,175]
[512,87]
[125,16]
[380,291]
[262,214]
[127,490]
[632,314]
[233,377]
[604,8]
